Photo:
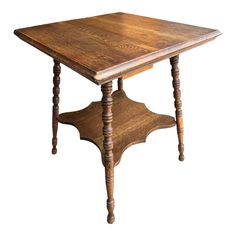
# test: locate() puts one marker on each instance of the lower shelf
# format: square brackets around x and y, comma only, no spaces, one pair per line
[132,122]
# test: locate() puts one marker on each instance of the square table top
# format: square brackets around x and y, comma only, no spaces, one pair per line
[102,48]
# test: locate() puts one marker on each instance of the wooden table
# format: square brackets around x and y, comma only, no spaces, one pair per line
[108,47]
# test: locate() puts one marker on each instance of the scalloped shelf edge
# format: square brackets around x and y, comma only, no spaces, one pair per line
[132,123]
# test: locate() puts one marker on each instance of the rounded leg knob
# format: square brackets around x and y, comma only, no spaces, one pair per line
[110,219]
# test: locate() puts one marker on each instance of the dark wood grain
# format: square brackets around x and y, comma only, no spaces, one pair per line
[105,47]
[55,100]
[178,105]
[107,147]
[132,122]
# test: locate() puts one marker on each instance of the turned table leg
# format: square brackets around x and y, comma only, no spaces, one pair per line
[178,104]
[108,146]
[120,84]
[55,100]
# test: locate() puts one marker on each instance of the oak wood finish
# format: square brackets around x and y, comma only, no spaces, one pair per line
[178,105]
[136,71]
[132,122]
[55,100]
[108,47]
[122,43]
[107,147]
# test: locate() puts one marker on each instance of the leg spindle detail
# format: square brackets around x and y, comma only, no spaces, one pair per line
[178,104]
[108,146]
[55,100]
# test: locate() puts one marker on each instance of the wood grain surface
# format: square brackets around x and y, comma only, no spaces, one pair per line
[103,48]
[131,123]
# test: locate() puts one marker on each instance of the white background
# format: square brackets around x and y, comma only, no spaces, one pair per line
[155,194]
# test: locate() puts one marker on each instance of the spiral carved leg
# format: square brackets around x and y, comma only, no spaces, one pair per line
[120,84]
[55,100]
[178,104]
[108,146]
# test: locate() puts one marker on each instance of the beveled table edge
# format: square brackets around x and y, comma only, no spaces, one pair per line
[116,71]
[84,71]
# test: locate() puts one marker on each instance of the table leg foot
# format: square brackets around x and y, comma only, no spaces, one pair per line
[54,150]
[55,100]
[108,146]
[178,105]
[110,207]
[181,155]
